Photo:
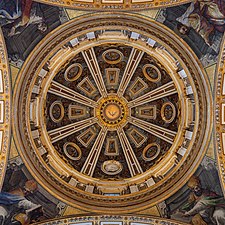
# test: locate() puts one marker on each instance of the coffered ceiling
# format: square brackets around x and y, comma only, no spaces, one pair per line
[112,115]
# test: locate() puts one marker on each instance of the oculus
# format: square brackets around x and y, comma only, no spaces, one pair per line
[113,5]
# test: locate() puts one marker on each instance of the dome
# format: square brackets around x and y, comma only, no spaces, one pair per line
[112,112]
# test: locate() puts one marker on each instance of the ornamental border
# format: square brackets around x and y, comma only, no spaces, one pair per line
[116,219]
[5,109]
[219,114]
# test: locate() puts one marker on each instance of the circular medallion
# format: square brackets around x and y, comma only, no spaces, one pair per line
[112,56]
[73,72]
[112,167]
[56,111]
[112,112]
[168,112]
[151,151]
[72,151]
[152,73]
[118,136]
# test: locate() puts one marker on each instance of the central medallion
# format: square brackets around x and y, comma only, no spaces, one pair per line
[112,112]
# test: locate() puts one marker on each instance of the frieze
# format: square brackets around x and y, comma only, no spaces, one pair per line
[115,219]
[116,5]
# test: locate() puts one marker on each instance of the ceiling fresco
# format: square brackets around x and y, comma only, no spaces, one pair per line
[112,112]
[112,118]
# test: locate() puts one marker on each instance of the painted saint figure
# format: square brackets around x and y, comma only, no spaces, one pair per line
[15,204]
[205,17]
[20,13]
[205,207]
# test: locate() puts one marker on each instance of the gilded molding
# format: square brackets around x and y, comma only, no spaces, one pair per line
[5,108]
[124,5]
[219,114]
[112,219]
[196,84]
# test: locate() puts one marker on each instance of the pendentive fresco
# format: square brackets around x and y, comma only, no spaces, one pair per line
[112,117]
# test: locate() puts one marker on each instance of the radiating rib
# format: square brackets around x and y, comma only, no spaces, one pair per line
[62,132]
[160,92]
[91,161]
[134,59]
[132,162]
[92,63]
[163,133]
[65,92]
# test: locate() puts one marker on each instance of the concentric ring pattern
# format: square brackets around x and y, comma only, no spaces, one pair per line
[112,112]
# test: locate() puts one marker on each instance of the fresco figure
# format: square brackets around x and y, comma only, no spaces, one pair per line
[205,17]
[205,206]
[20,13]
[15,208]
[13,10]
